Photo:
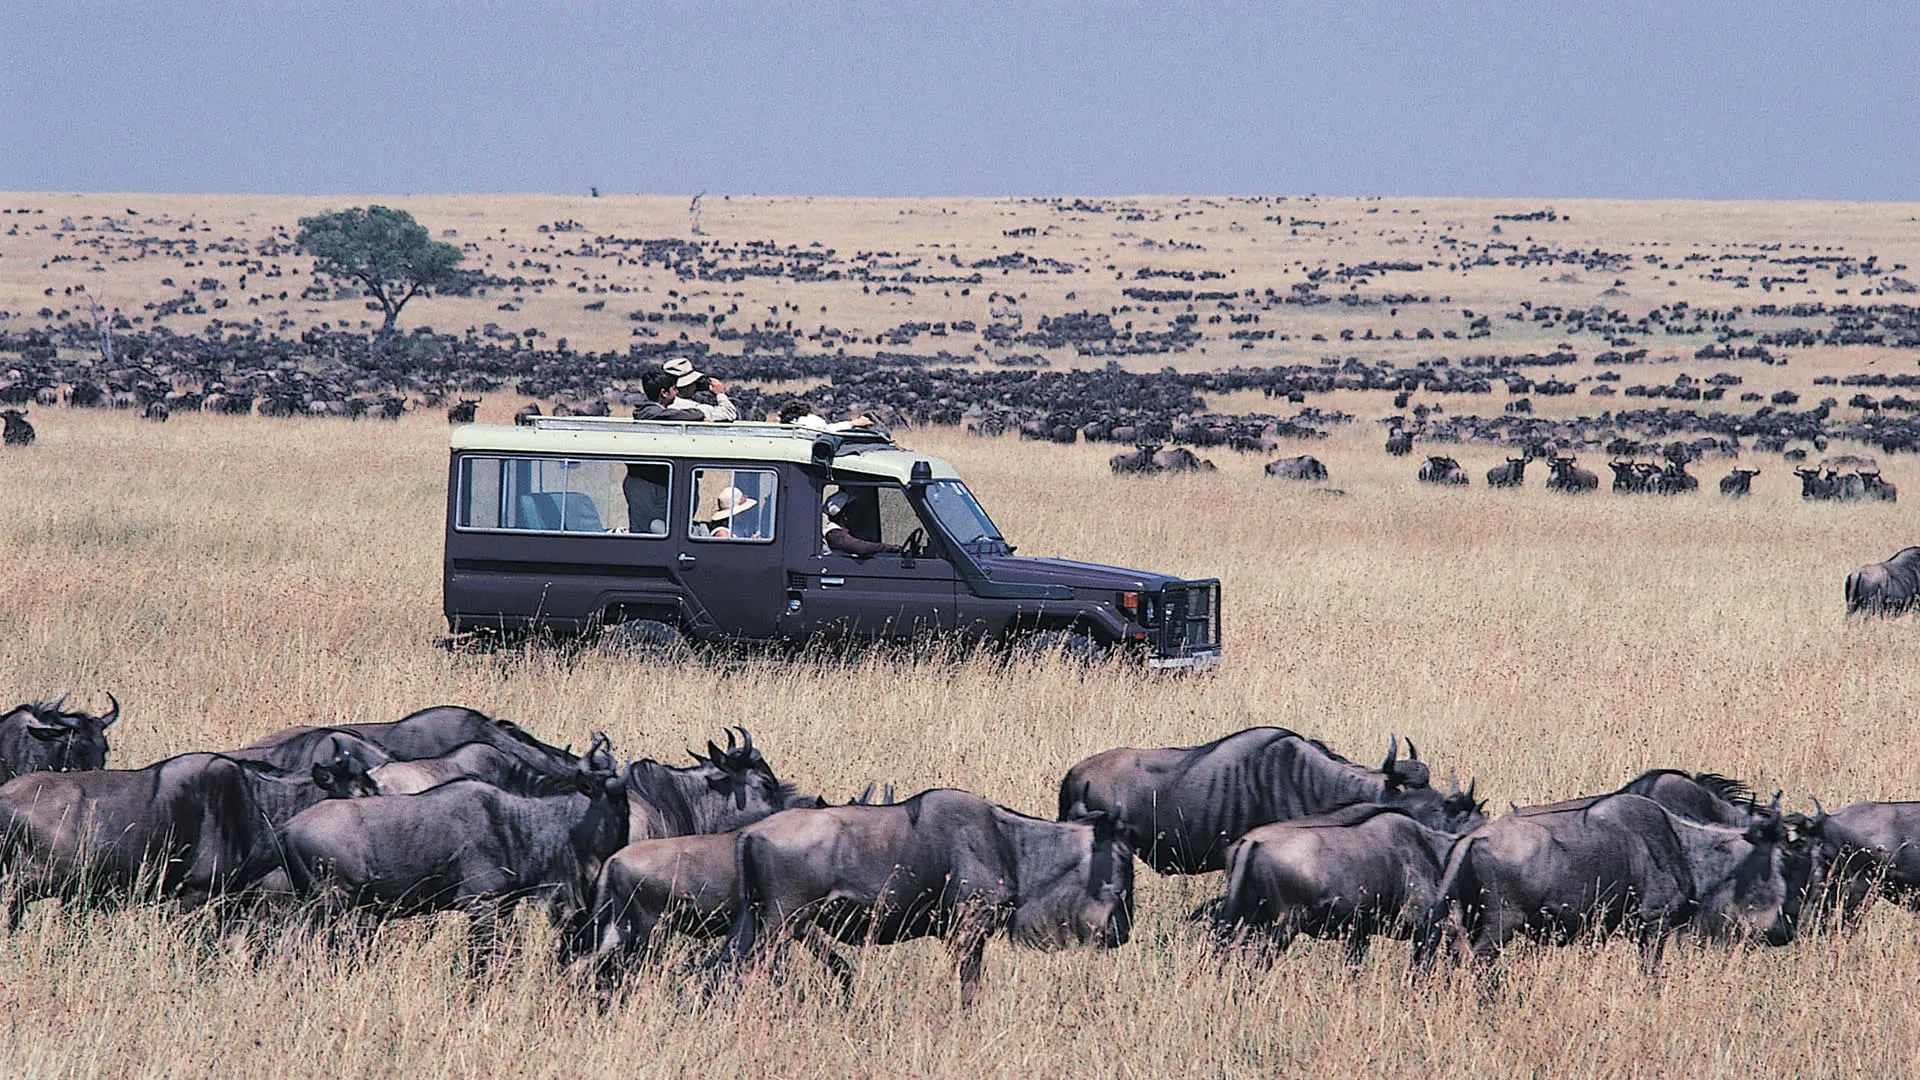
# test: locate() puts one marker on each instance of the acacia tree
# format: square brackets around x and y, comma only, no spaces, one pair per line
[385,250]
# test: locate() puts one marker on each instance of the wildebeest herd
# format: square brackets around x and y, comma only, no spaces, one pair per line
[322,829]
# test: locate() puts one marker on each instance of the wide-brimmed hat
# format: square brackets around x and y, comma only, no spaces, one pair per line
[729,502]
[682,371]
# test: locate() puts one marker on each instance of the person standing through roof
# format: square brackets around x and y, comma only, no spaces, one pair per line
[801,414]
[688,382]
[663,402]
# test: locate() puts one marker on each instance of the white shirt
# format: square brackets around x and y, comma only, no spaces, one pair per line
[721,411]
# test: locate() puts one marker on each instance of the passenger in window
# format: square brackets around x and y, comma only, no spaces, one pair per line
[646,491]
[663,400]
[688,382]
[839,533]
[728,519]
[801,414]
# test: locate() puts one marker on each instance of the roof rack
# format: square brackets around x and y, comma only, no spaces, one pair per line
[735,429]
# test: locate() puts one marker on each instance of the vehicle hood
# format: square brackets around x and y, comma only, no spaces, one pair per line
[1016,569]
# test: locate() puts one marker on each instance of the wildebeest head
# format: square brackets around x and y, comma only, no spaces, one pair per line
[1771,910]
[1408,773]
[344,775]
[59,740]
[724,790]
[1087,901]
[1461,811]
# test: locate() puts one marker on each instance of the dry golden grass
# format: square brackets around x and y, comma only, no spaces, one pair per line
[229,576]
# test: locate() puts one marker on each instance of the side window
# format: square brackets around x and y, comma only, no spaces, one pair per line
[873,512]
[733,504]
[538,494]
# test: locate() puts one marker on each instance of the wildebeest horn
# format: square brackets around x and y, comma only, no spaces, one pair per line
[113,713]
[731,745]
[746,741]
[866,797]
[1413,752]
[1819,812]
[713,753]
[1472,782]
[1393,753]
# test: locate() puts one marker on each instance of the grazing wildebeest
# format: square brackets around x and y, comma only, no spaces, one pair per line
[1738,483]
[156,411]
[44,736]
[18,431]
[525,416]
[1442,470]
[721,792]
[1867,847]
[428,733]
[473,761]
[1592,867]
[1885,588]
[463,846]
[186,828]
[1872,487]
[1349,873]
[943,862]
[1182,807]
[1399,442]
[1568,477]
[1304,467]
[1140,460]
[1181,459]
[464,410]
[1512,474]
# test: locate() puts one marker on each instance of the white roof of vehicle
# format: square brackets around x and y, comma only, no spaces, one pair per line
[591,436]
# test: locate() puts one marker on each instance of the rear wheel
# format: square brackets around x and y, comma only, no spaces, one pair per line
[645,639]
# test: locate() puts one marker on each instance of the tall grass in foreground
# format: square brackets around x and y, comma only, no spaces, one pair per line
[227,577]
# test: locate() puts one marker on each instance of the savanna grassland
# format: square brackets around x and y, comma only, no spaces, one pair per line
[229,576]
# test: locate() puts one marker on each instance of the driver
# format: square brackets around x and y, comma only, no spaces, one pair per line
[840,538]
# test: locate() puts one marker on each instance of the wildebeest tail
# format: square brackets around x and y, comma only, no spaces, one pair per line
[1459,892]
[1855,593]
[1233,906]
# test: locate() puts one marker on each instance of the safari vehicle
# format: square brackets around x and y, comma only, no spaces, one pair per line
[656,532]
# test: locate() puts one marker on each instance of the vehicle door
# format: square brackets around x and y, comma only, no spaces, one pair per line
[891,595]
[730,559]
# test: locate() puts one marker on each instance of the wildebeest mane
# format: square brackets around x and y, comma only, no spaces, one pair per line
[1727,789]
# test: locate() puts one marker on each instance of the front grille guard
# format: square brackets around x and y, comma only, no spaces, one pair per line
[1189,620]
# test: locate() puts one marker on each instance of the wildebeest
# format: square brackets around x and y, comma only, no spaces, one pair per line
[1181,807]
[1674,479]
[463,411]
[1566,476]
[1442,470]
[720,792]
[1867,847]
[1872,487]
[466,846]
[1632,477]
[1181,459]
[1512,474]
[683,884]
[1139,460]
[1399,442]
[1349,873]
[1885,588]
[1738,483]
[1706,797]
[471,761]
[526,415]
[1617,860]
[1304,467]
[43,736]
[427,733]
[186,828]
[943,862]
[18,431]
[1813,485]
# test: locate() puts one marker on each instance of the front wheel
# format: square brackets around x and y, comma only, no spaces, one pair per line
[1069,645]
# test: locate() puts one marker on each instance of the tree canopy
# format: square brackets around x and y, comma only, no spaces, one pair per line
[391,255]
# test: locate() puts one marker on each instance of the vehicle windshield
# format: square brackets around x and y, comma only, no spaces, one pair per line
[960,516]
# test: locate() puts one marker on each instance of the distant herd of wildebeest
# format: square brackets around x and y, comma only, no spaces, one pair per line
[316,833]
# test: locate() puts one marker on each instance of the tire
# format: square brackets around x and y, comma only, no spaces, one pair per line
[1070,645]
[643,638]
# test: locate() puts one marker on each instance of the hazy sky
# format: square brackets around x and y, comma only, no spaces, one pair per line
[1669,99]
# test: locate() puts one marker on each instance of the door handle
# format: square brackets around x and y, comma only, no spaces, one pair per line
[687,561]
[832,582]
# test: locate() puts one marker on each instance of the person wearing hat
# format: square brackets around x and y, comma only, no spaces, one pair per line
[687,382]
[727,506]
[661,399]
[840,538]
[801,414]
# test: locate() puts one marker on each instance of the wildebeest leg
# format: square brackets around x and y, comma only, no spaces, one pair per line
[1359,936]
[969,947]
[483,937]
[1653,945]
[820,946]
